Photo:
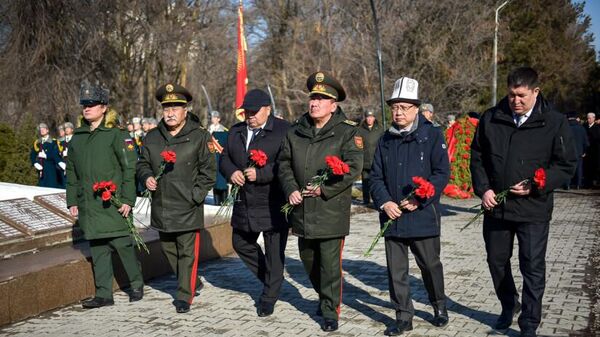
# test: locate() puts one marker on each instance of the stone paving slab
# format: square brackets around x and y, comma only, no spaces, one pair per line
[226,304]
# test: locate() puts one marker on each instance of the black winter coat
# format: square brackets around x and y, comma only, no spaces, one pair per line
[178,202]
[259,204]
[503,155]
[397,160]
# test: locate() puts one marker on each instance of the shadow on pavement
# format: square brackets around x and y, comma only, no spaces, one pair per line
[375,275]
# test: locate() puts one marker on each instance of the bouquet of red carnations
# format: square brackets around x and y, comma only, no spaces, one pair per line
[423,189]
[107,191]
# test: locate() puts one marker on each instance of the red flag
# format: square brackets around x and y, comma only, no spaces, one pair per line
[241,71]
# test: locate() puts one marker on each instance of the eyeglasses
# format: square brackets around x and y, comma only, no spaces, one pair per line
[402,108]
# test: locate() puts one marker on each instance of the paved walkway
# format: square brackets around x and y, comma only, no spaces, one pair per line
[226,304]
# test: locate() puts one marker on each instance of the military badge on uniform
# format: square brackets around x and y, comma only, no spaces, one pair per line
[359,142]
[211,147]
[129,144]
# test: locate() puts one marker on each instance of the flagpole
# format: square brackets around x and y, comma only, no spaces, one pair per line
[272,100]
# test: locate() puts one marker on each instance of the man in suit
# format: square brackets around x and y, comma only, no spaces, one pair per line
[520,135]
[260,196]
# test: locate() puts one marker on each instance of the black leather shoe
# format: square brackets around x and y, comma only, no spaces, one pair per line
[181,306]
[330,325]
[528,333]
[136,294]
[398,327]
[440,316]
[265,309]
[97,302]
[506,317]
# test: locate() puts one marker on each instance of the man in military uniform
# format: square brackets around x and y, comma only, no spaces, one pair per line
[178,196]
[215,123]
[63,149]
[45,158]
[321,216]
[98,152]
[371,131]
[261,199]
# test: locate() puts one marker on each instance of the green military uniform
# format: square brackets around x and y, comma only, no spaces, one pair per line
[178,201]
[101,155]
[371,136]
[321,223]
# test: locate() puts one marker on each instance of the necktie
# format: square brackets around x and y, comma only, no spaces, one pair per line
[518,119]
[254,133]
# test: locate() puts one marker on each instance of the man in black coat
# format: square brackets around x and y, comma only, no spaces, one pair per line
[580,140]
[591,162]
[515,138]
[260,196]
[411,147]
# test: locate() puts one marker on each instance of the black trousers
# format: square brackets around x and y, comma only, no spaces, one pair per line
[219,196]
[427,256]
[365,186]
[267,266]
[499,236]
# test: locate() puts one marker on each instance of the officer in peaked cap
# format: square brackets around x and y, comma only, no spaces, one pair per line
[178,196]
[321,215]
[173,94]
[321,83]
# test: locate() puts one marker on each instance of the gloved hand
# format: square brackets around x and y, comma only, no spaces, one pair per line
[42,154]
[62,165]
[65,152]
[38,166]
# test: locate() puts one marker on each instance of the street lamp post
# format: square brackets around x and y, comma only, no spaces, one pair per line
[380,65]
[494,84]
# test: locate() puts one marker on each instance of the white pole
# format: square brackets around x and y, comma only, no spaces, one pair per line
[495,81]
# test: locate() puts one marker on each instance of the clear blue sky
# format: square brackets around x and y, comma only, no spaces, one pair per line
[592,8]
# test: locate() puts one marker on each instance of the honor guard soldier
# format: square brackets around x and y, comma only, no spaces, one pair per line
[371,131]
[178,196]
[99,151]
[321,216]
[45,158]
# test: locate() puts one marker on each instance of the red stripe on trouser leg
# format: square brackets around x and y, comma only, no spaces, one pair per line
[339,307]
[194,275]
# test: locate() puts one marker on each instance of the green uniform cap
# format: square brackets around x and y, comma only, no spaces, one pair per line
[173,93]
[324,84]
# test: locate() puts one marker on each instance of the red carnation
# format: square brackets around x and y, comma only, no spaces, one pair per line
[468,140]
[467,148]
[425,189]
[465,155]
[106,195]
[258,157]
[96,187]
[337,166]
[169,156]
[539,178]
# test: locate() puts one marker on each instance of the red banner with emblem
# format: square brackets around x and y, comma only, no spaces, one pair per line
[241,71]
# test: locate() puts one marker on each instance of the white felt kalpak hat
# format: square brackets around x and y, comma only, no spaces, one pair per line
[405,90]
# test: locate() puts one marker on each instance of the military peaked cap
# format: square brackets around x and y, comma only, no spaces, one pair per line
[173,93]
[324,84]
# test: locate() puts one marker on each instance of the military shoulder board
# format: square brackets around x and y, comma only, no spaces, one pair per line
[349,122]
